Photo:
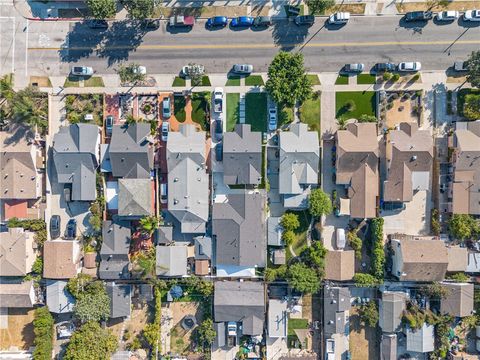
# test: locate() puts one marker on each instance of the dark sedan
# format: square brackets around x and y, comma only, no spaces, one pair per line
[418,16]
[242,21]
[217,21]
[381,67]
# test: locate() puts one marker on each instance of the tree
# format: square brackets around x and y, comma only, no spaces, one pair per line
[43,329]
[102,9]
[303,278]
[287,80]
[387,76]
[473,66]
[288,237]
[463,226]
[471,107]
[289,221]
[318,7]
[93,303]
[149,224]
[342,123]
[37,266]
[435,291]
[139,9]
[319,203]
[30,107]
[77,285]
[195,73]
[91,342]
[270,275]
[314,256]
[206,333]
[95,222]
[365,280]
[129,73]
[355,243]
[146,261]
[369,314]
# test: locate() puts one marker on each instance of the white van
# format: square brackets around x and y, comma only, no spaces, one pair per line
[163,193]
[340,237]
[339,18]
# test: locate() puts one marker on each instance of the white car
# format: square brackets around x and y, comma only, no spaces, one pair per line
[272,119]
[82,71]
[409,66]
[448,15]
[140,70]
[471,15]
[165,129]
[243,68]
[339,18]
[187,70]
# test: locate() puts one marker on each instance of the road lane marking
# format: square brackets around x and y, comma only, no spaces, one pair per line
[263,46]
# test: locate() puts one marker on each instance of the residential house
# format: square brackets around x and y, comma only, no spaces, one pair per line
[340,265]
[392,305]
[388,347]
[171,260]
[466,168]
[458,301]
[336,313]
[135,198]
[21,180]
[299,165]
[120,299]
[59,299]
[76,151]
[419,260]
[187,179]
[203,254]
[357,157]
[241,302]
[421,340]
[115,263]
[277,319]
[409,162]
[17,294]
[17,252]
[238,225]
[242,154]
[61,259]
[457,259]
[131,151]
[274,231]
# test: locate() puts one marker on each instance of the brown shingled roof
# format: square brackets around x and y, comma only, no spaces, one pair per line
[340,265]
[61,259]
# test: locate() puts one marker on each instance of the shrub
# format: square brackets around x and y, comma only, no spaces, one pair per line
[43,330]
[395,77]
[367,118]
[289,221]
[369,314]
[471,107]
[288,237]
[416,77]
[350,105]
[37,266]
[355,243]
[434,222]
[387,76]
[460,277]
[365,280]
[376,248]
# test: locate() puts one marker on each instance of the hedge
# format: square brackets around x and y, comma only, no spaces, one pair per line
[377,267]
[43,330]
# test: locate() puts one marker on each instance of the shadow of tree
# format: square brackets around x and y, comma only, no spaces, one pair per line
[80,42]
[287,35]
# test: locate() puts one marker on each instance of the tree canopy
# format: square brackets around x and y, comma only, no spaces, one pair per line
[318,7]
[463,226]
[206,333]
[93,302]
[319,203]
[139,9]
[365,280]
[102,9]
[129,73]
[314,256]
[473,65]
[289,221]
[303,278]
[91,342]
[43,330]
[369,314]
[287,80]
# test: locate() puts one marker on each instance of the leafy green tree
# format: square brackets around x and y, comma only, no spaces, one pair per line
[76,286]
[319,203]
[37,266]
[289,221]
[314,256]
[91,342]
[102,9]
[287,80]
[369,314]
[43,329]
[387,76]
[318,7]
[355,243]
[149,224]
[139,9]
[471,107]
[288,237]
[95,222]
[30,107]
[270,275]
[303,278]
[463,226]
[435,290]
[206,333]
[93,302]
[146,261]
[365,280]
[129,73]
[473,66]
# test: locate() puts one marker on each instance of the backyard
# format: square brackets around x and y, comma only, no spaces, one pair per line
[310,113]
[352,104]
[233,110]
[256,111]
[300,234]
[181,338]
[77,106]
[131,328]
[19,332]
[364,343]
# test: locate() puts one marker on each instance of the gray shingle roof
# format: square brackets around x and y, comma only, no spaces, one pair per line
[241,302]
[187,179]
[391,308]
[131,153]
[459,301]
[59,300]
[336,300]
[239,227]
[75,155]
[299,159]
[114,251]
[171,260]
[120,300]
[274,233]
[203,248]
[16,294]
[242,154]
[277,318]
[135,197]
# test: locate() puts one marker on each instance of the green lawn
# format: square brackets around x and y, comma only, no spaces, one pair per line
[179,108]
[254,80]
[364,79]
[199,105]
[313,79]
[256,111]
[300,234]
[233,110]
[296,324]
[233,81]
[342,80]
[310,113]
[205,81]
[285,115]
[179,81]
[363,103]
[461,98]
[94,81]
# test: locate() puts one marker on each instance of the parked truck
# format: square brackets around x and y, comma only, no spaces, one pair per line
[232,333]
[181,21]
[217,100]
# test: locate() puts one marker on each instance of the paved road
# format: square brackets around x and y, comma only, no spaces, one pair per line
[53,47]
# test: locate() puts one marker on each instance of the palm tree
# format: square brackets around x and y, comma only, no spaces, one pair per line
[30,108]
[149,224]
[342,123]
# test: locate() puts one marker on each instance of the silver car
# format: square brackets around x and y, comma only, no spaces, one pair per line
[471,15]
[354,68]
[272,119]
[409,66]
[82,71]
[243,68]
[448,15]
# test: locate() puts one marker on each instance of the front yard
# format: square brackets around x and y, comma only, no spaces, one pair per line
[233,110]
[352,104]
[461,95]
[310,113]
[300,234]
[77,106]
[94,81]
[256,111]
[179,103]
[200,103]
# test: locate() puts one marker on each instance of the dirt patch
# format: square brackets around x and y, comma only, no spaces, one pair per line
[351,8]
[364,342]
[400,112]
[41,81]
[132,326]
[19,333]
[180,339]
[454,5]
[456,79]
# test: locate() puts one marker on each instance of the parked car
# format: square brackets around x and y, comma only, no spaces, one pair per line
[218,100]
[242,21]
[409,66]
[218,130]
[217,21]
[165,129]
[65,330]
[384,67]
[354,68]
[471,15]
[97,24]
[55,223]
[219,152]
[272,118]
[243,68]
[304,20]
[82,71]
[109,124]
[339,18]
[163,193]
[166,110]
[71,232]
[187,69]
[418,16]
[139,69]
[448,15]
[150,24]
[262,21]
[179,21]
[460,66]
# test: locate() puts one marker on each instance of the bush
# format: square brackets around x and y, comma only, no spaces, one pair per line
[151,332]
[365,280]
[369,314]
[416,77]
[91,342]
[289,221]
[303,278]
[435,223]
[319,203]
[460,277]
[350,105]
[355,243]
[37,266]
[387,76]
[43,330]
[377,266]
[288,237]
[471,107]
[395,77]
[367,118]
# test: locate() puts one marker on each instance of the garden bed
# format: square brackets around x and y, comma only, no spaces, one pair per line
[148,107]
[200,104]
[179,103]
[77,106]
[352,104]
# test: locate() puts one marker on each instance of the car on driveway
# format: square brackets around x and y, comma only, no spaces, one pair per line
[71,232]
[97,24]
[272,118]
[219,129]
[55,223]
[217,21]
[448,15]
[354,68]
[219,151]
[82,71]
[242,21]
[262,21]
[339,18]
[166,111]
[304,20]
[471,15]
[109,124]
[381,67]
[243,68]
[165,129]
[418,16]
[409,66]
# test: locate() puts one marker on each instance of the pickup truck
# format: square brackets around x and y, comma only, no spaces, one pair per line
[217,99]
[181,21]
[460,66]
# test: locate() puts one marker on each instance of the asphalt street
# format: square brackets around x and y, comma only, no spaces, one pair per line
[54,46]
